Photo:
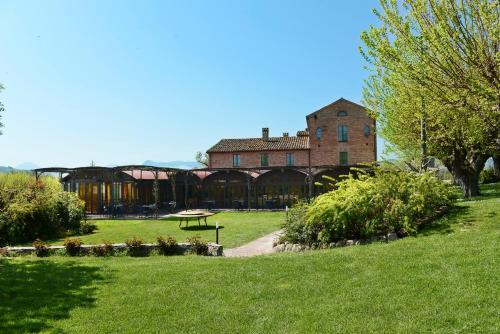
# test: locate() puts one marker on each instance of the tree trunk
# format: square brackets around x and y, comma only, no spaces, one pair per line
[466,173]
[496,165]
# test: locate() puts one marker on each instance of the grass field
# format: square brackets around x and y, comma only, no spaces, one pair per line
[444,280]
[235,228]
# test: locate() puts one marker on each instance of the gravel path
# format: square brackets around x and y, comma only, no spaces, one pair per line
[263,245]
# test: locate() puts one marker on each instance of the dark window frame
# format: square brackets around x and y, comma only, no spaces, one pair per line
[264,159]
[290,158]
[236,160]
[343,158]
[341,113]
[342,133]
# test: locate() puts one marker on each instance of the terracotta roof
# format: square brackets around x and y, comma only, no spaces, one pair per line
[258,144]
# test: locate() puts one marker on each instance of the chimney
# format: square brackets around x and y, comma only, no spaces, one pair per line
[285,134]
[265,133]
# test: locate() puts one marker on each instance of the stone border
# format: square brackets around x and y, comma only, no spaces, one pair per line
[288,247]
[182,248]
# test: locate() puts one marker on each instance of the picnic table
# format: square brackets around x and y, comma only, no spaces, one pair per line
[186,215]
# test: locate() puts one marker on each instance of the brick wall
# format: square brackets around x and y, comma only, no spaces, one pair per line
[325,151]
[252,159]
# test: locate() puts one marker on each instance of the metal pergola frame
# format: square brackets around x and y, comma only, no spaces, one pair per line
[173,174]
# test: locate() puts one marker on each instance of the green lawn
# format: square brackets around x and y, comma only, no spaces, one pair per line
[445,280]
[235,228]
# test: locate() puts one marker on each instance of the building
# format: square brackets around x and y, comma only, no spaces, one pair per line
[339,134]
[252,173]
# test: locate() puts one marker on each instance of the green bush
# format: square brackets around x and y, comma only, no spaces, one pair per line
[167,246]
[199,246]
[73,246]
[135,247]
[487,175]
[41,248]
[31,208]
[106,249]
[367,206]
[87,228]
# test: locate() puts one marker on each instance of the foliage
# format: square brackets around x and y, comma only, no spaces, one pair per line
[87,228]
[202,158]
[167,246]
[135,247]
[199,246]
[31,208]
[435,82]
[73,246]
[488,176]
[41,248]
[105,249]
[367,206]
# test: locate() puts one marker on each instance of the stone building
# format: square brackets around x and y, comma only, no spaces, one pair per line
[339,134]
[251,173]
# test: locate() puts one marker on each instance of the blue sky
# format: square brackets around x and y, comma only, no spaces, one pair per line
[121,82]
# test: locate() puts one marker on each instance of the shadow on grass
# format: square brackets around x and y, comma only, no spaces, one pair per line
[200,228]
[444,224]
[487,191]
[34,293]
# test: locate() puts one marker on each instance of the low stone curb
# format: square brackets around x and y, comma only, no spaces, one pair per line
[288,247]
[213,249]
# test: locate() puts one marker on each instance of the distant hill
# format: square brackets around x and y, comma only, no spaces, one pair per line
[173,164]
[27,166]
[6,169]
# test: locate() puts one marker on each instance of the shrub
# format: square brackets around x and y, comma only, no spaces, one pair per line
[167,246]
[389,201]
[73,246]
[487,175]
[135,247]
[199,246]
[87,227]
[41,248]
[105,249]
[31,208]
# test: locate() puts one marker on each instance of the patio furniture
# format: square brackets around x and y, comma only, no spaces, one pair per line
[187,215]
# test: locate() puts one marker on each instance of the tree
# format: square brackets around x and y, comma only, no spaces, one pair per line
[435,71]
[202,158]
[2,109]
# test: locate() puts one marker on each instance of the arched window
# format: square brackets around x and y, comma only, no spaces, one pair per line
[342,113]
[342,133]
[319,133]
[366,131]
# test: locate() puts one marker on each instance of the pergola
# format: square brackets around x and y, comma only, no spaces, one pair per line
[145,186]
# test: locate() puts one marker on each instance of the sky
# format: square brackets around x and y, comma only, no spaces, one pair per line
[121,82]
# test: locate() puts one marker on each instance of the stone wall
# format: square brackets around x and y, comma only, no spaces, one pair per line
[252,159]
[182,248]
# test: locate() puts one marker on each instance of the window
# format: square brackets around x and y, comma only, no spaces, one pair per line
[290,159]
[264,159]
[319,133]
[366,131]
[342,113]
[343,158]
[236,160]
[342,133]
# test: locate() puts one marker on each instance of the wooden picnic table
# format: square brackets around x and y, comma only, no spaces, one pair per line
[186,215]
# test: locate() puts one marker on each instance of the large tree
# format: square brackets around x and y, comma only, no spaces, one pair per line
[435,85]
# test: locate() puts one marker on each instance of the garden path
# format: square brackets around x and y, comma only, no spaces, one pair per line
[263,245]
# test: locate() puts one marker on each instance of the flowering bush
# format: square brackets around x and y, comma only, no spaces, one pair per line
[369,205]
[31,208]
